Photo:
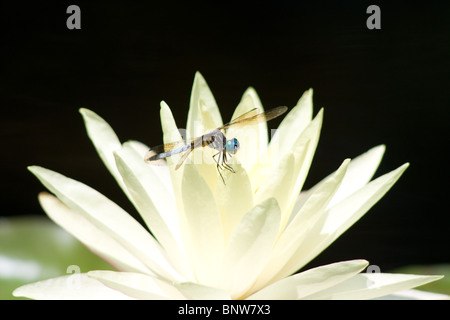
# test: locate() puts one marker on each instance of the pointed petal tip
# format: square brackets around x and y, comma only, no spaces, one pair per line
[319,115]
[249,91]
[381,148]
[116,155]
[346,162]
[34,169]
[362,261]
[307,94]
[18,292]
[374,155]
[306,97]
[198,76]
[400,170]
[44,195]
[83,110]
[436,277]
[87,113]
[38,171]
[361,264]
[46,200]
[165,109]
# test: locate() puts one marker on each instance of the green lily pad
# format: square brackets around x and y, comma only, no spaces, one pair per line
[33,248]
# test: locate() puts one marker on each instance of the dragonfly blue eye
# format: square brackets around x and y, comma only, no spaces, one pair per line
[232,145]
[236,144]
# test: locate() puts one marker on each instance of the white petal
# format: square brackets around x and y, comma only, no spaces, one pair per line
[253,139]
[143,179]
[162,172]
[303,146]
[372,285]
[105,142]
[203,113]
[303,149]
[172,134]
[170,129]
[139,147]
[343,214]
[71,287]
[412,294]
[311,134]
[279,183]
[193,291]
[234,199]
[137,285]
[203,226]
[108,217]
[249,247]
[339,218]
[295,130]
[91,236]
[203,117]
[290,242]
[155,203]
[359,173]
[311,281]
[294,123]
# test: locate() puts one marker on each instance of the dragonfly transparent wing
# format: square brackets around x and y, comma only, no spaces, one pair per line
[183,157]
[253,117]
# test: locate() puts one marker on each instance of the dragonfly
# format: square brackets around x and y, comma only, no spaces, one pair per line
[215,139]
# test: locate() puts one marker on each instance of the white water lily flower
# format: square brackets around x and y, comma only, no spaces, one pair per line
[241,240]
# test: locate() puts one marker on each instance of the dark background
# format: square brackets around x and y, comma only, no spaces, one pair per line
[377,86]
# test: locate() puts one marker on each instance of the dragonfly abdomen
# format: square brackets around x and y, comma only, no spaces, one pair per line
[170,153]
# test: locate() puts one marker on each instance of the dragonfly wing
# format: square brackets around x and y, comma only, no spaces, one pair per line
[274,113]
[252,117]
[164,151]
[183,157]
[246,115]
[195,143]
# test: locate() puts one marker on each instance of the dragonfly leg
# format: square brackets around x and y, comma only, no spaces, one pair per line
[218,154]
[221,176]
[225,164]
[219,164]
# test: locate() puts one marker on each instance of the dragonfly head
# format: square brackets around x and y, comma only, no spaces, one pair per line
[232,145]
